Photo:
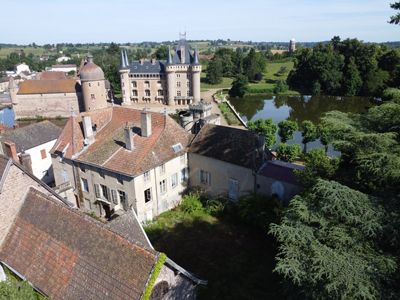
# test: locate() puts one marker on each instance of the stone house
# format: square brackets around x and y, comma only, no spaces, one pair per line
[117,158]
[65,254]
[31,145]
[175,81]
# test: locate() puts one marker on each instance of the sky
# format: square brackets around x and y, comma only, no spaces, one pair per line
[55,21]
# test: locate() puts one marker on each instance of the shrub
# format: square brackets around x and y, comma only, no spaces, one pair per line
[281,87]
[288,152]
[215,207]
[191,204]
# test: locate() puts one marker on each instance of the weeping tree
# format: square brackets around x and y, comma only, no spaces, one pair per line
[328,244]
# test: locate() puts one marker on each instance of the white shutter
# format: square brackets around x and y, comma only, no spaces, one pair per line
[114,197]
[97,190]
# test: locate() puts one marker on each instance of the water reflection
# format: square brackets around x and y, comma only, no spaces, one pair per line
[297,108]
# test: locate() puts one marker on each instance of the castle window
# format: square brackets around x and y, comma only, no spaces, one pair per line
[147,195]
[147,84]
[134,84]
[178,75]
[188,84]
[92,96]
[134,93]
[147,92]
[188,93]
[160,93]
[178,84]
[98,84]
[90,84]
[178,93]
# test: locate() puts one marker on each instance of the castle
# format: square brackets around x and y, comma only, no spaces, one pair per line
[175,81]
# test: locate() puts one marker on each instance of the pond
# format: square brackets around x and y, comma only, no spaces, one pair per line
[297,108]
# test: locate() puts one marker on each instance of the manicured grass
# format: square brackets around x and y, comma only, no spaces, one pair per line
[229,116]
[236,260]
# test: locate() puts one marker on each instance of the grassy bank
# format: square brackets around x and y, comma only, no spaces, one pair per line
[229,116]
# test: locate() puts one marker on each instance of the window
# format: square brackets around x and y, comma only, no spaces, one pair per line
[178,93]
[205,177]
[90,84]
[178,75]
[178,84]
[147,195]
[85,185]
[184,175]
[163,186]
[43,153]
[114,197]
[162,169]
[97,190]
[147,92]
[146,176]
[187,83]
[174,180]
[122,198]
[233,189]
[188,93]
[105,192]
[177,147]
[134,84]
[92,96]
[134,93]
[147,84]
[160,93]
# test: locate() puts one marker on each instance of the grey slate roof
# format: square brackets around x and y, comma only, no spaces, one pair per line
[188,55]
[147,67]
[32,135]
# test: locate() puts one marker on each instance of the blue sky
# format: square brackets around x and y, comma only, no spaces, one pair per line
[52,21]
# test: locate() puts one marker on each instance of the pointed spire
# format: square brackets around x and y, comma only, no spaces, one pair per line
[169,58]
[126,58]
[123,64]
[196,57]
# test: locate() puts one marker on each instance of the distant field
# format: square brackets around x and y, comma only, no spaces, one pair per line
[35,51]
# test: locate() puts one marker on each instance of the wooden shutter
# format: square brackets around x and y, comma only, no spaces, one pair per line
[114,196]
[97,190]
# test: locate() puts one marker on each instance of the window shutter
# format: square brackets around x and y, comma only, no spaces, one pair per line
[125,204]
[114,196]
[97,190]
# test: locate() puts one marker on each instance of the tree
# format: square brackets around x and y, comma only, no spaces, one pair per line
[352,81]
[161,52]
[328,244]
[287,152]
[13,289]
[214,71]
[254,63]
[396,18]
[265,127]
[281,87]
[286,130]
[239,86]
[309,133]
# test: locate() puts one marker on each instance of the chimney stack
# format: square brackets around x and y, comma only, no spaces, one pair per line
[88,129]
[153,61]
[11,150]
[129,145]
[141,61]
[26,161]
[145,124]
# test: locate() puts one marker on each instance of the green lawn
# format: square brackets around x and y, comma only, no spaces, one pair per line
[225,84]
[236,260]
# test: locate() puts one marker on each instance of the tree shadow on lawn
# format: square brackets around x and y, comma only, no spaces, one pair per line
[236,260]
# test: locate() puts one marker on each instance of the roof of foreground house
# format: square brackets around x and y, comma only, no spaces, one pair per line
[32,135]
[109,152]
[48,86]
[280,170]
[232,145]
[68,255]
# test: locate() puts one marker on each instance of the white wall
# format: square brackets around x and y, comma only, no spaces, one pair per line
[39,165]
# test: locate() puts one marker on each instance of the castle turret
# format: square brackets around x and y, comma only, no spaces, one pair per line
[124,74]
[93,85]
[196,71]
[292,46]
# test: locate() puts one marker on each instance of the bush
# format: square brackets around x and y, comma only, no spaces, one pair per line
[215,207]
[391,94]
[191,204]
[288,152]
[281,87]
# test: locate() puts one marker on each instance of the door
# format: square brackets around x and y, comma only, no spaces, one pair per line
[233,189]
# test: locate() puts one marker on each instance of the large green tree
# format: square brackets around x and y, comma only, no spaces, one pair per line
[265,127]
[328,244]
[396,18]
[214,71]
[287,128]
[239,86]
[308,132]
[254,65]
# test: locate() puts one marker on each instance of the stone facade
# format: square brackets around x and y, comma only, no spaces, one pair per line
[172,82]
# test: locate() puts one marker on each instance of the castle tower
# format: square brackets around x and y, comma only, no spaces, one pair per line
[93,86]
[124,74]
[170,69]
[196,70]
[292,46]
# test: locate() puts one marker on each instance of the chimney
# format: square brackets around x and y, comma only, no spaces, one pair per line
[145,124]
[11,150]
[26,161]
[183,54]
[141,61]
[153,61]
[88,130]
[128,138]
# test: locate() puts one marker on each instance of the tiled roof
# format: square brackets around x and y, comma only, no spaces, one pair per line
[280,170]
[48,86]
[147,67]
[32,135]
[68,255]
[233,145]
[108,150]
[64,66]
[3,164]
[51,75]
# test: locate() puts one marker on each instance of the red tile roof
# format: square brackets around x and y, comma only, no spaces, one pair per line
[48,86]
[49,75]
[108,150]
[68,255]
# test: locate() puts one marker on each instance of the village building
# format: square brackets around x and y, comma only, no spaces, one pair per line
[22,67]
[65,254]
[31,145]
[63,59]
[175,81]
[67,68]
[117,158]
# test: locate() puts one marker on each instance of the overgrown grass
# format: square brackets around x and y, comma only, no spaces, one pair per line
[206,238]
[229,116]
